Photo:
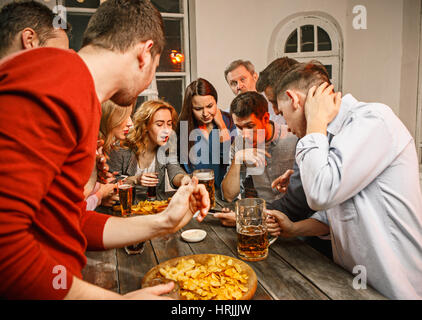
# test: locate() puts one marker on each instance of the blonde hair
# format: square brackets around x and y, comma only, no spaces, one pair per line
[112,116]
[138,138]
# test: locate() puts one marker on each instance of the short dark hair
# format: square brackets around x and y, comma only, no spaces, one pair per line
[18,15]
[274,71]
[247,103]
[120,24]
[302,76]
[237,63]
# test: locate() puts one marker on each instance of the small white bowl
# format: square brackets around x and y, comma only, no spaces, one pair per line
[194,235]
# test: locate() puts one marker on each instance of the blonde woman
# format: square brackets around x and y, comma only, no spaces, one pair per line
[154,122]
[114,127]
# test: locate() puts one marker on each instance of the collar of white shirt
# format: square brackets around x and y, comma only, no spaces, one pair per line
[347,102]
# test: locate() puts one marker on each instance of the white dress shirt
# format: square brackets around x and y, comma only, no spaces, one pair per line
[363,177]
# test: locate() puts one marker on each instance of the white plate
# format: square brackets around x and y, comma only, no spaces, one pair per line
[194,235]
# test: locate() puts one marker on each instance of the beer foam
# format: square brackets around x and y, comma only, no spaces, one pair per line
[125,186]
[205,176]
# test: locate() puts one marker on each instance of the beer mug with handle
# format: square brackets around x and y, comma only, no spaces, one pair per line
[251,228]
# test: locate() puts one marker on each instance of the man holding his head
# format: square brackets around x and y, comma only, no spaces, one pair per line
[293,203]
[28,25]
[359,170]
[48,145]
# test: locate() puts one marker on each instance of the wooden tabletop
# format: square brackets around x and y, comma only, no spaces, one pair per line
[292,271]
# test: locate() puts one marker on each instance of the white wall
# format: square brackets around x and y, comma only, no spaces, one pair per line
[372,59]
[242,29]
[410,60]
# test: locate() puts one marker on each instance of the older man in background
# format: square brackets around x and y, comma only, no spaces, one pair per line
[242,77]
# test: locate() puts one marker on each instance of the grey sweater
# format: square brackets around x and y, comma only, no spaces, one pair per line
[125,163]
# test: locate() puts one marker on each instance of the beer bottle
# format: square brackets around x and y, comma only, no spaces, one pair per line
[250,191]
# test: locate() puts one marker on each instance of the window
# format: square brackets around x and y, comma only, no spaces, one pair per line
[78,13]
[309,37]
[173,73]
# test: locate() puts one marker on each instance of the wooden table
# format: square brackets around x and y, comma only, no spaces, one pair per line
[292,271]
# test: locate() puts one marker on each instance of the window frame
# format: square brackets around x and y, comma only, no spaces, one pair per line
[333,57]
[151,92]
[418,134]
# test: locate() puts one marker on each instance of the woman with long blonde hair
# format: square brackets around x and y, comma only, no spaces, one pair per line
[153,125]
[114,126]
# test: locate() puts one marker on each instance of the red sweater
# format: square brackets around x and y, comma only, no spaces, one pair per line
[49,122]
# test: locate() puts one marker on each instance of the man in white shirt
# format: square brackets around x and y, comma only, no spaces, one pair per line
[359,170]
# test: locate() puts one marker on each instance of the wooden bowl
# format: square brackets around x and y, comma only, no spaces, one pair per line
[203,259]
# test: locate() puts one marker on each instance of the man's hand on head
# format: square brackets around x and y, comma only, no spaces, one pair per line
[321,107]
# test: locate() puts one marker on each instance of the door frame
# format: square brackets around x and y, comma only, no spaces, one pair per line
[418,134]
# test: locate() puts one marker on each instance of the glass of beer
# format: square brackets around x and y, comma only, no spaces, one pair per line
[152,191]
[126,193]
[251,228]
[206,177]
[126,198]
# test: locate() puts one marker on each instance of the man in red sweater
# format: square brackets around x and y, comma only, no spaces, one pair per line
[49,120]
